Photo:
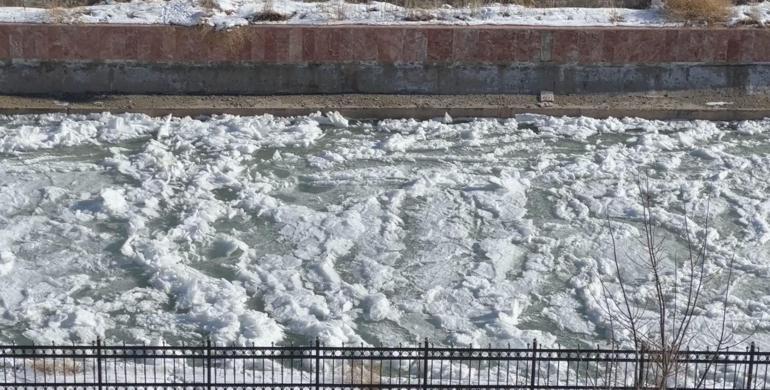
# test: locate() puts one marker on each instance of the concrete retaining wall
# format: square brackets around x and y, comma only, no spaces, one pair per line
[45,59]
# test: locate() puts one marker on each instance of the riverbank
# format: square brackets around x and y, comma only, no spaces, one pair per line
[711,105]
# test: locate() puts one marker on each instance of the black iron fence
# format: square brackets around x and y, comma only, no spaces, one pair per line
[210,366]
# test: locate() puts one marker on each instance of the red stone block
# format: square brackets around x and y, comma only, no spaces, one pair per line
[615,47]
[712,48]
[590,46]
[495,46]
[689,46]
[5,49]
[721,40]
[565,47]
[528,45]
[295,45]
[227,46]
[740,46]
[256,37]
[131,48]
[219,48]
[465,43]
[166,35]
[66,37]
[630,52]
[40,38]
[87,42]
[760,46]
[334,40]
[188,44]
[276,45]
[106,42]
[644,46]
[415,46]
[83,43]
[308,44]
[327,42]
[36,41]
[160,43]
[440,42]
[15,44]
[18,41]
[390,44]
[148,47]
[669,45]
[358,45]
[112,41]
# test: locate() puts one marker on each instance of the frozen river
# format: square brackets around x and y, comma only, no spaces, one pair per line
[264,229]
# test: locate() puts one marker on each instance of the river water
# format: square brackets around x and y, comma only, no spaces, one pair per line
[266,229]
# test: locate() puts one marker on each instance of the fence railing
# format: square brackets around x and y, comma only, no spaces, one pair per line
[211,366]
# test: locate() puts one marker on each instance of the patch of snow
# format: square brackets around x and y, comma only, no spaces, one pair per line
[232,13]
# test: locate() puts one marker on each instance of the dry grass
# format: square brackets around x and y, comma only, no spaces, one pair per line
[233,40]
[698,11]
[432,4]
[269,14]
[208,4]
[419,15]
[362,373]
[66,11]
[51,367]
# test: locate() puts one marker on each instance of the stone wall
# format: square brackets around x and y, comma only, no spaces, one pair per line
[379,59]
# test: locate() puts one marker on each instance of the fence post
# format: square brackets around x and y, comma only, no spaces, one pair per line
[208,364]
[750,375]
[425,365]
[317,363]
[640,374]
[99,363]
[532,375]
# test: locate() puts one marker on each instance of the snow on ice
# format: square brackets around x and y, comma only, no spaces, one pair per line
[267,229]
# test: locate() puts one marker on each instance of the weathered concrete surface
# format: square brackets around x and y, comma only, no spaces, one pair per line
[688,105]
[270,59]
[29,78]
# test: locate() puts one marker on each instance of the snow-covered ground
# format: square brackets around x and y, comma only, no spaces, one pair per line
[265,229]
[230,13]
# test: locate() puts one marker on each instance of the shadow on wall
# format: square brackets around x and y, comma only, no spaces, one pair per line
[34,78]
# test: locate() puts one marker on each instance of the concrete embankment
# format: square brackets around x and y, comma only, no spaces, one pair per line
[341,59]
[713,105]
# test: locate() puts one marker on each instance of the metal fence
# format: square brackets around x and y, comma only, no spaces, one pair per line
[211,366]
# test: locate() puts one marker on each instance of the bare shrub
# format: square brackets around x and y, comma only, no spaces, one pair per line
[663,323]
[269,14]
[66,11]
[208,4]
[419,15]
[698,11]
[56,367]
[361,372]
[616,17]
